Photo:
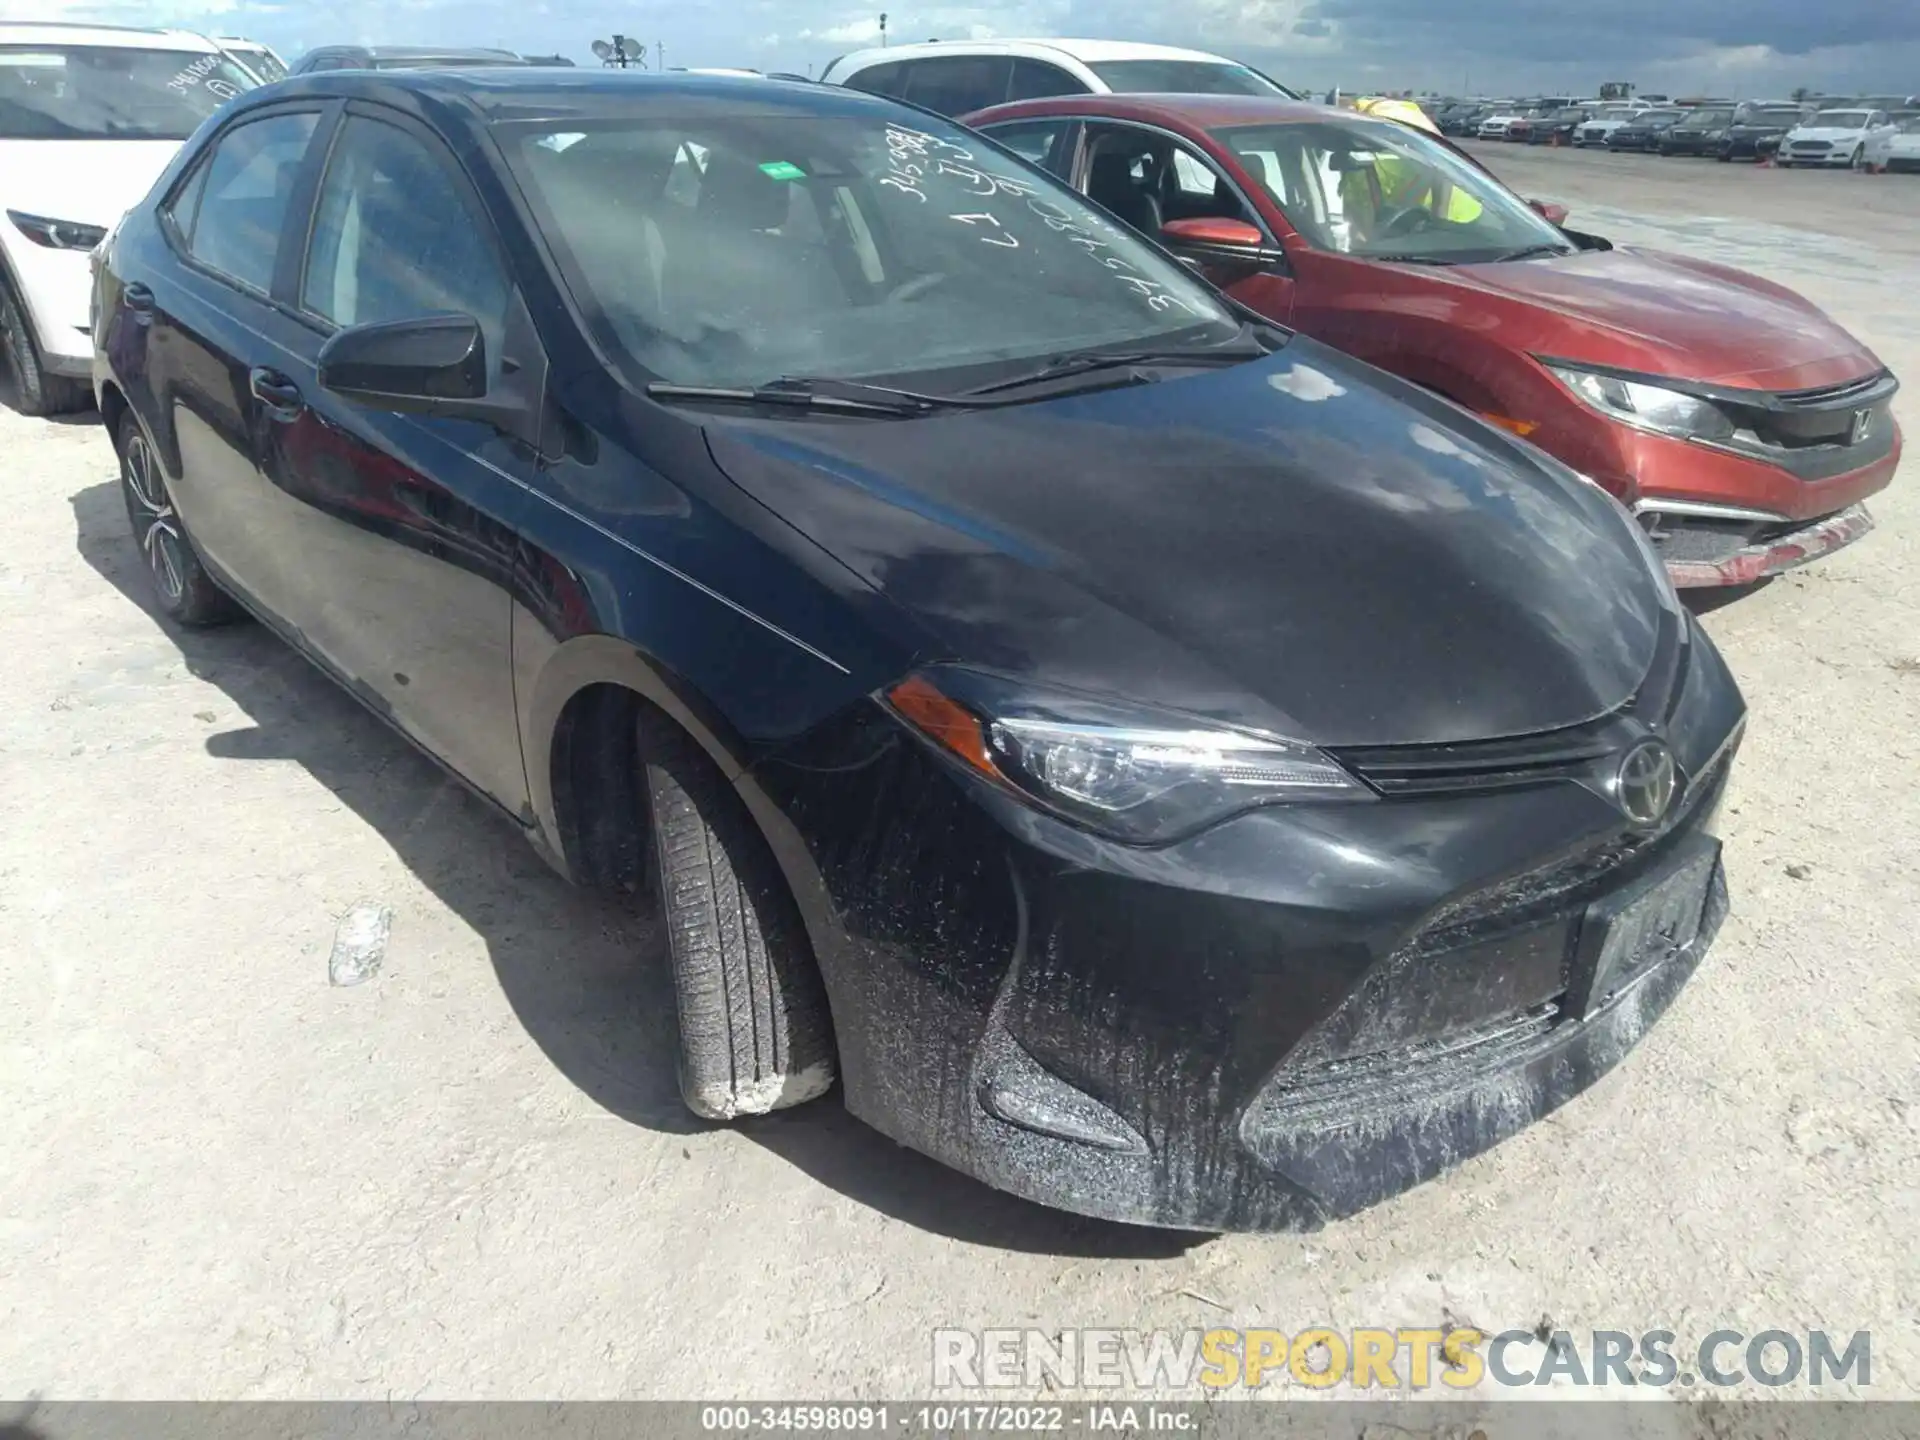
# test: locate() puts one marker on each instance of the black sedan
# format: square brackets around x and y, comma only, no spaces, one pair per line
[1643,132]
[1555,127]
[1163,767]
[1756,134]
[1703,132]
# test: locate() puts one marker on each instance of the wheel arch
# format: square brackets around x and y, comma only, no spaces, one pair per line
[579,737]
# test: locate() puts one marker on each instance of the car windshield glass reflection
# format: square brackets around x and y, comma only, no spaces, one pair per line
[1382,191]
[1839,120]
[91,92]
[733,250]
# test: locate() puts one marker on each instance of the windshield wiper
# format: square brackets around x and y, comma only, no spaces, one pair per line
[1528,252]
[1085,361]
[823,394]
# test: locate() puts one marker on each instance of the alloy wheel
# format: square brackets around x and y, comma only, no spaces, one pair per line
[157,528]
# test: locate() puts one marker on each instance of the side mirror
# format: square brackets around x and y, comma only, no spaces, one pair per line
[432,365]
[1550,212]
[1218,241]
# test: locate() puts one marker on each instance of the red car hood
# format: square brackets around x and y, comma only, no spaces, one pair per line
[1668,315]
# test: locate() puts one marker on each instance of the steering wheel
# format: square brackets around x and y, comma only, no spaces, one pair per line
[1408,220]
[916,287]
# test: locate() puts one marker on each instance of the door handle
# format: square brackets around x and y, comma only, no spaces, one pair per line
[139,299]
[275,391]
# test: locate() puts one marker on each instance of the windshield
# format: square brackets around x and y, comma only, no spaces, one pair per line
[1840,119]
[1181,77]
[1615,112]
[1780,116]
[1383,190]
[260,61]
[1658,118]
[733,249]
[1706,120]
[1910,127]
[94,92]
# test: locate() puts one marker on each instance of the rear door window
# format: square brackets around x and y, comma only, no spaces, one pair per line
[888,80]
[241,208]
[958,84]
[1036,80]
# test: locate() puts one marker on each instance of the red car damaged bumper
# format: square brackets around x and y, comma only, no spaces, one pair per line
[1761,558]
[1723,518]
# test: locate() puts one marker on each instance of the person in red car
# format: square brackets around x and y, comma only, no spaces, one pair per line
[1741,424]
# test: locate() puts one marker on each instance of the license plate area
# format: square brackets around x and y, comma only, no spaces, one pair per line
[1638,927]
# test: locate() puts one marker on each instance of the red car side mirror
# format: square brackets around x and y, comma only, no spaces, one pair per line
[1550,212]
[1216,240]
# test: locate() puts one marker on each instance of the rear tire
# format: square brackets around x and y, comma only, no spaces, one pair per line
[181,585]
[38,392]
[755,1032]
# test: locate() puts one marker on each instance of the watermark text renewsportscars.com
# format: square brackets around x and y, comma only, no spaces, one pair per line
[1392,1360]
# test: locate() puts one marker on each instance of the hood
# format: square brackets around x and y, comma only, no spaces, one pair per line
[1298,544]
[1686,318]
[1742,127]
[1826,132]
[91,182]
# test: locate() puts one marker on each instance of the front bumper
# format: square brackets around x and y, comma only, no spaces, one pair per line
[56,286]
[1700,552]
[1277,1022]
[1750,148]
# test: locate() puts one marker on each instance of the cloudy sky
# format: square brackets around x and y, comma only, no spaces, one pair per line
[1734,47]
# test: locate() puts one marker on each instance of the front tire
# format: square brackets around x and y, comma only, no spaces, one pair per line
[181,585]
[1859,160]
[38,391]
[755,1032]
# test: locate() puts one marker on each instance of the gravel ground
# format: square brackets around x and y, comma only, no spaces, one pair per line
[472,1177]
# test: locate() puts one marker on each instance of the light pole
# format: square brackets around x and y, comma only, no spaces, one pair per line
[883,29]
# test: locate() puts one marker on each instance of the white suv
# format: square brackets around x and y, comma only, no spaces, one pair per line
[89,117]
[958,77]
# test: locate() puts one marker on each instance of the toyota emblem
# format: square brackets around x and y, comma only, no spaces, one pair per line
[1645,782]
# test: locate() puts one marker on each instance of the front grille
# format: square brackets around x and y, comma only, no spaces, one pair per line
[1811,147]
[1515,761]
[1831,394]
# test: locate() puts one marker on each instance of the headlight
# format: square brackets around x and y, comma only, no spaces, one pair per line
[1650,407]
[57,234]
[1144,777]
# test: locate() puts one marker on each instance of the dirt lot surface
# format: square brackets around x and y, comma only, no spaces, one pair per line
[472,1176]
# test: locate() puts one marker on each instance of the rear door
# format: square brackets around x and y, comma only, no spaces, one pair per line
[406,524]
[214,323]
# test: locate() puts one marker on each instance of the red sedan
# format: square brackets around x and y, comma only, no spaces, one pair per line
[1744,426]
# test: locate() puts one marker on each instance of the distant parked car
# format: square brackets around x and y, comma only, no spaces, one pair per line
[1757,130]
[1744,426]
[400,57]
[1702,132]
[1856,138]
[89,117]
[1557,127]
[1595,129]
[1496,125]
[1903,151]
[1642,133]
[953,77]
[263,60]
[1465,120]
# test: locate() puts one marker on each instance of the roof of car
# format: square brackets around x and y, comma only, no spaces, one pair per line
[421,52]
[120,37]
[527,92]
[1087,52]
[1208,112]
